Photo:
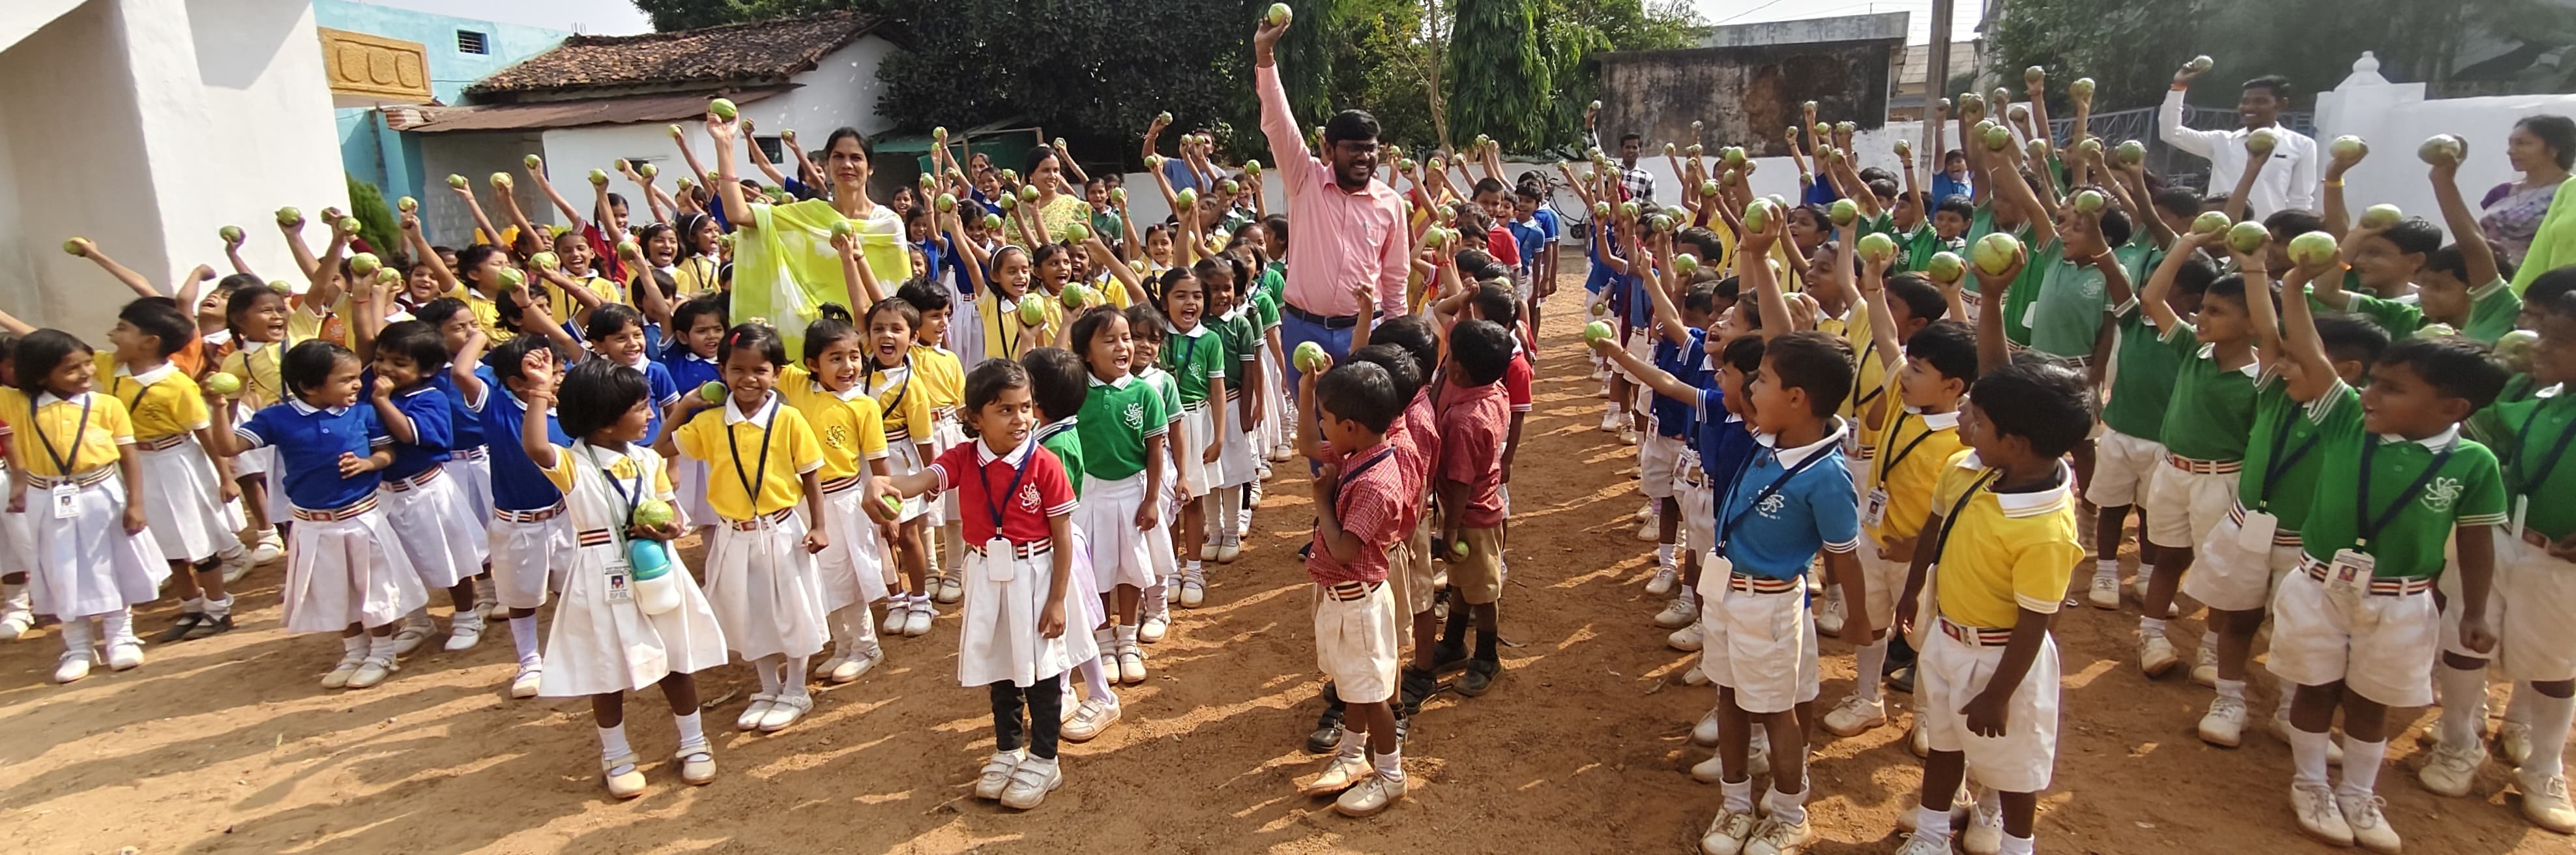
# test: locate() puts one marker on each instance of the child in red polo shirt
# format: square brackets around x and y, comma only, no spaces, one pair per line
[1359,495]
[1018,504]
[1475,420]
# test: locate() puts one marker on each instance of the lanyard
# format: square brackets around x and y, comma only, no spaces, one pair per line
[1859,400]
[2369,527]
[1764,495]
[1003,318]
[633,497]
[750,483]
[996,508]
[1353,475]
[63,466]
[1941,544]
[1887,465]
[894,408]
[2522,445]
[1189,356]
[2281,463]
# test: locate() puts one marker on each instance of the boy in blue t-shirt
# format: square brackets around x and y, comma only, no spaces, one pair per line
[532,539]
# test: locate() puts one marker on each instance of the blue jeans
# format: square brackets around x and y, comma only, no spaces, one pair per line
[1294,330]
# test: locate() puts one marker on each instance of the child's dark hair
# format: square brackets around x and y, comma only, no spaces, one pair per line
[416,340]
[1207,267]
[2292,222]
[504,360]
[2196,275]
[1414,334]
[308,364]
[2182,202]
[1963,206]
[2549,290]
[2352,337]
[1488,184]
[2116,227]
[596,393]
[610,319]
[2455,366]
[2414,235]
[1400,367]
[989,378]
[831,327]
[1704,242]
[439,311]
[241,301]
[1743,353]
[2228,287]
[686,316]
[1922,299]
[1818,363]
[1482,349]
[2041,400]
[1360,392]
[2449,260]
[760,338]
[1057,382]
[922,297]
[1701,297]
[2278,86]
[160,318]
[1172,279]
[1496,303]
[1950,347]
[910,313]
[1143,320]
[40,352]
[1088,326]
[1276,225]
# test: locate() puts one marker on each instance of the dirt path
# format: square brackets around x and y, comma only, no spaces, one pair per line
[227,745]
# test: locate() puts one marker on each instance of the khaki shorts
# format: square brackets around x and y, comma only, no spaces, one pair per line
[1355,643]
[2183,506]
[1478,576]
[1409,571]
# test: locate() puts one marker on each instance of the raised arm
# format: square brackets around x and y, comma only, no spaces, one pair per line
[689,155]
[2006,179]
[2238,199]
[2161,283]
[1754,269]
[759,158]
[737,211]
[2169,120]
[2337,217]
[859,284]
[2305,350]
[1993,348]
[294,234]
[2463,223]
[572,216]
[509,201]
[484,231]
[133,281]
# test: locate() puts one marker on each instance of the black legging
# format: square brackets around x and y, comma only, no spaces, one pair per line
[1045,702]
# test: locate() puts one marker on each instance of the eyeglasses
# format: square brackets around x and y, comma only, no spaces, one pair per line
[1356,146]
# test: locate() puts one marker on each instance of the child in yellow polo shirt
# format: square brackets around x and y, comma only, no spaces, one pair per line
[186,503]
[944,378]
[852,430]
[72,464]
[760,571]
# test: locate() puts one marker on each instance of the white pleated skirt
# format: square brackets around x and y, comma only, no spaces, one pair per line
[765,589]
[1238,464]
[1188,439]
[1274,417]
[904,458]
[998,641]
[347,571]
[471,469]
[853,568]
[1120,554]
[437,530]
[689,485]
[184,504]
[87,565]
[596,647]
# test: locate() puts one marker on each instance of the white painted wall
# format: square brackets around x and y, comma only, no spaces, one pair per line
[2395,118]
[476,156]
[145,125]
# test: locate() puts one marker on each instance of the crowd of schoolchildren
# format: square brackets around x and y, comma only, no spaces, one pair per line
[1862,416]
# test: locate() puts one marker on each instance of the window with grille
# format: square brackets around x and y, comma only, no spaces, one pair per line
[469,41]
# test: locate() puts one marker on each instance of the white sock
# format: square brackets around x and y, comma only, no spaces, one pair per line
[1095,680]
[354,647]
[2308,756]
[2107,568]
[2209,642]
[1869,663]
[1390,765]
[117,627]
[1126,636]
[192,605]
[612,743]
[1932,826]
[2361,766]
[1739,797]
[767,667]
[2550,718]
[218,608]
[1690,597]
[791,674]
[76,636]
[1788,808]
[693,734]
[2017,845]
[381,648]
[523,638]
[1664,556]
[2517,705]
[2231,689]
[1354,745]
[2464,704]
[2151,627]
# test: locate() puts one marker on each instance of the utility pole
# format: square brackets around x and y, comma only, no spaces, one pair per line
[1936,79]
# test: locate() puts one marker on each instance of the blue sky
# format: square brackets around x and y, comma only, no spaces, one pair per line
[1963,18]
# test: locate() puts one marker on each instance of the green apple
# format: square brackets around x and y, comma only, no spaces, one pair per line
[2018,113]
[1458,548]
[1596,105]
[389,276]
[1999,98]
[599,177]
[1843,212]
[1693,149]
[992,221]
[1432,237]
[1404,164]
[221,383]
[1824,130]
[1252,168]
[407,204]
[1659,222]
[1731,155]
[1708,187]
[1671,150]
[2037,149]
[652,513]
[2247,236]
[1972,104]
[1028,192]
[1757,216]
[1601,309]
[1597,331]
[647,171]
[1997,137]
[1010,202]
[2314,249]
[1186,199]
[532,161]
[1230,187]
[941,132]
[1628,210]
[1032,313]
[2381,216]
[350,224]
[948,202]
[2261,142]
[281,286]
[2199,64]
[2442,148]
[1877,246]
[893,506]
[1075,295]
[501,181]
[73,248]
[628,247]
[510,277]
[2081,89]
[723,109]
[2034,74]
[289,216]
[2089,201]
[1996,252]
[2131,152]
[2090,147]
[458,181]
[2348,147]
[1685,265]
[2209,223]
[1809,106]
[2514,350]
[1847,128]
[712,391]
[1601,210]
[1311,357]
[1076,233]
[844,230]
[1904,149]
[366,263]
[233,234]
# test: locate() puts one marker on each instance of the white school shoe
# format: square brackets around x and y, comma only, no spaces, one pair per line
[236,566]
[2544,802]
[1855,716]
[697,767]
[1031,782]
[1193,593]
[1985,832]
[73,666]
[1918,844]
[1231,549]
[1609,421]
[916,620]
[1958,813]
[2105,593]
[2513,743]
[464,631]
[1090,718]
[270,548]
[1677,614]
[753,712]
[2281,731]
[896,612]
[857,666]
[825,668]
[124,655]
[2204,667]
[1131,665]
[1727,833]
[372,671]
[339,676]
[415,629]
[2369,823]
[14,624]
[1370,797]
[1693,676]
[2224,724]
[1666,577]
[626,784]
[2156,655]
[1710,771]
[2319,816]
[1207,549]
[2449,770]
[1706,732]
[1627,434]
[531,675]
[950,588]
[1153,628]
[787,710]
[1686,639]
[1774,837]
[1829,614]
[1340,774]
[996,775]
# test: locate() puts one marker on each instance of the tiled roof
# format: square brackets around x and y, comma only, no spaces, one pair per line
[751,53]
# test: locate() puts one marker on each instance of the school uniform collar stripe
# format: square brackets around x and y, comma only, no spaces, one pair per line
[1794,456]
[2029,504]
[2435,442]
[1119,383]
[2252,370]
[156,375]
[1054,428]
[734,414]
[490,388]
[984,455]
[304,409]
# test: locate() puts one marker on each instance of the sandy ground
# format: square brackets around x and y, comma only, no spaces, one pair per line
[227,744]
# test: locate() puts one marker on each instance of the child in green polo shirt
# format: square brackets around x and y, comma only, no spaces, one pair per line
[2131,449]
[2353,626]
[2206,423]
[2457,286]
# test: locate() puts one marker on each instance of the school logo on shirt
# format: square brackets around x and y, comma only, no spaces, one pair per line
[2439,494]
[1029,497]
[837,436]
[1136,416]
[1771,505]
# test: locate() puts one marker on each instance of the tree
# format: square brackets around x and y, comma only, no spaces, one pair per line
[1498,77]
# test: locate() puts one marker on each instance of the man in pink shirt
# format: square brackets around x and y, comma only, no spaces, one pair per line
[1350,226]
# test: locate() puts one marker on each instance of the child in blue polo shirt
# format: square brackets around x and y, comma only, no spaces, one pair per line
[431,520]
[467,464]
[344,574]
[532,542]
[699,326]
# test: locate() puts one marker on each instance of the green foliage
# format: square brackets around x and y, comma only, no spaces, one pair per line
[376,220]
[670,15]
[1497,77]
[1572,31]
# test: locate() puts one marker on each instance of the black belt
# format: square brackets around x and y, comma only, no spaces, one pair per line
[1330,322]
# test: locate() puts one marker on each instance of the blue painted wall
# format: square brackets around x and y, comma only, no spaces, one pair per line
[389,160]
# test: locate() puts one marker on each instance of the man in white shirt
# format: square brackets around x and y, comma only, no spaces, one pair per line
[2289,181]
